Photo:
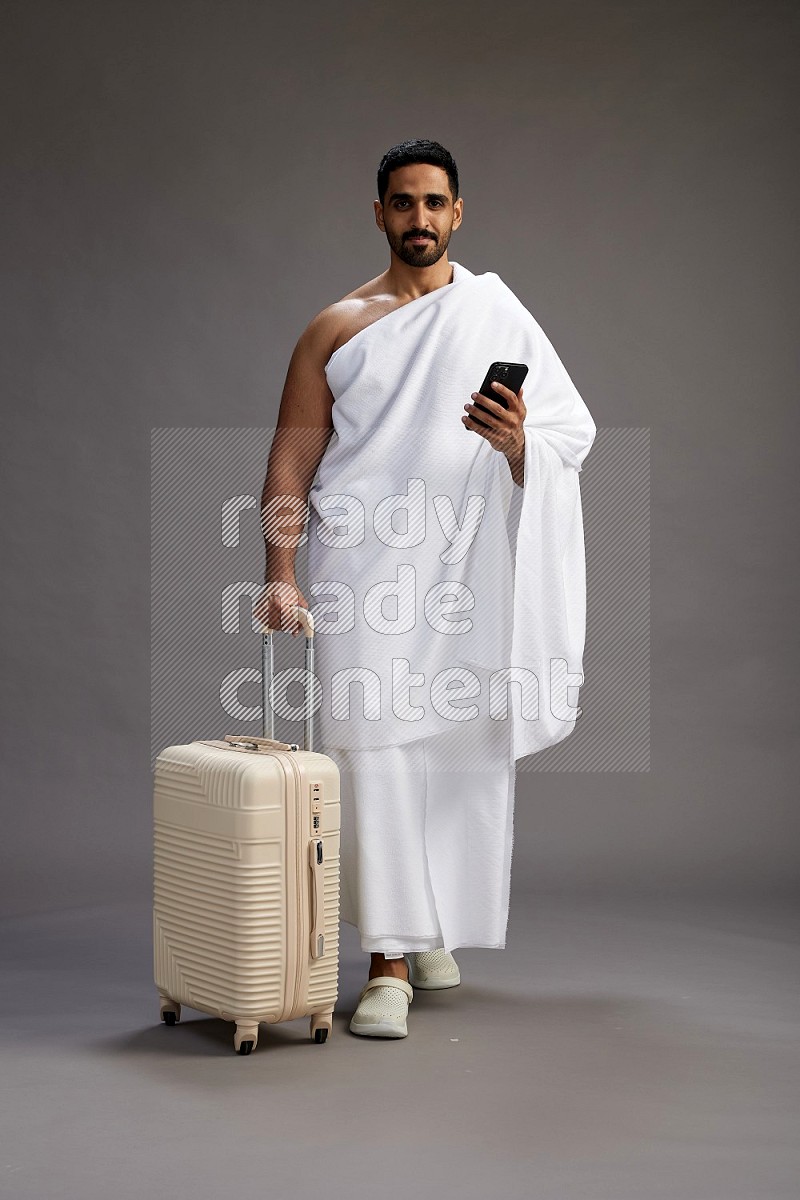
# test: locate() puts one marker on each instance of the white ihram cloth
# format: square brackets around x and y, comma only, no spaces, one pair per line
[426,839]
[397,585]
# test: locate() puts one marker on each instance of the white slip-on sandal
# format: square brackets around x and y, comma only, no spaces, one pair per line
[383,1008]
[433,969]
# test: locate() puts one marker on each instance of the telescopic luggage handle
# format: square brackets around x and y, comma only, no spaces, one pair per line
[267,671]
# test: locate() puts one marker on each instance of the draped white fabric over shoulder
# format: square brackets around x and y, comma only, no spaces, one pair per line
[425,559]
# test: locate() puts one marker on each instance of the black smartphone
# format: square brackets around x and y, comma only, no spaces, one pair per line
[511,375]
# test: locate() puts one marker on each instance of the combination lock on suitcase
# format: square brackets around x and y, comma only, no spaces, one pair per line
[246,875]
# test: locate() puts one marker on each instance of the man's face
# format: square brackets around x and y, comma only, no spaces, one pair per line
[418,215]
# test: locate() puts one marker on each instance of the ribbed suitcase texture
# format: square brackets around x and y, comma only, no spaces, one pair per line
[246,883]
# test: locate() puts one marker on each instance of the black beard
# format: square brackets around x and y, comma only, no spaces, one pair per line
[418,256]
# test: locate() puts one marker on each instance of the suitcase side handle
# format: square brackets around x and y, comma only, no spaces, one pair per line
[315,862]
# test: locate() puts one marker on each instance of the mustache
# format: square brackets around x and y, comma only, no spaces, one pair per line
[419,234]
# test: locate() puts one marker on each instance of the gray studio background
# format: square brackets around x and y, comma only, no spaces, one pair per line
[186,185]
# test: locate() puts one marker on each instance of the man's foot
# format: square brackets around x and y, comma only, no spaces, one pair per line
[383,1007]
[387,966]
[433,970]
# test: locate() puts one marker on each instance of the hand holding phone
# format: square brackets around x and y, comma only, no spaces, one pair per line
[511,375]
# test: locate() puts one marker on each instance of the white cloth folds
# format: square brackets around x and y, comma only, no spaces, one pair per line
[426,840]
[425,559]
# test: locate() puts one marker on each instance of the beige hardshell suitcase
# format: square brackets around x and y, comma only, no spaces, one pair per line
[246,875]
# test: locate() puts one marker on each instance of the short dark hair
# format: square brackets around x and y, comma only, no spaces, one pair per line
[418,150]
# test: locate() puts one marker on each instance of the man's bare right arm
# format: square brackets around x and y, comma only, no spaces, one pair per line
[304,428]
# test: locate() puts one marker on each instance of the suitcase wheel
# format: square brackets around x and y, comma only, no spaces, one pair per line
[245,1039]
[321,1024]
[170,1010]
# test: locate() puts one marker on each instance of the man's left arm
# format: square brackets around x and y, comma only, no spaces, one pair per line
[503,427]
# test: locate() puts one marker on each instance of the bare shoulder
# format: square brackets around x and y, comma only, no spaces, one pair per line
[306,395]
[307,399]
[340,321]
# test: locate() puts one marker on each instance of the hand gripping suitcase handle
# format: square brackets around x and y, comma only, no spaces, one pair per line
[268,669]
[315,862]
[304,617]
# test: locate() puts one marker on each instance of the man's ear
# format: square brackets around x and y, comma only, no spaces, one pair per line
[458,212]
[379,215]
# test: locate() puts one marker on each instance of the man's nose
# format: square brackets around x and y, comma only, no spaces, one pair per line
[420,215]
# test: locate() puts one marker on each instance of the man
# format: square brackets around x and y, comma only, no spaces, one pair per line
[486,578]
